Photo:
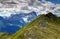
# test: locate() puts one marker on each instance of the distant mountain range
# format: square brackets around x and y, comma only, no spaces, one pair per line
[46,26]
[15,22]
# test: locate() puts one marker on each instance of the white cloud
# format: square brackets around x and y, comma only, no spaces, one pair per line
[42,7]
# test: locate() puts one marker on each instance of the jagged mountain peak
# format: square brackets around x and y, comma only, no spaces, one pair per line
[39,28]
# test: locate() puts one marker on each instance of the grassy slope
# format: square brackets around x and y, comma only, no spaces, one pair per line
[16,35]
[41,28]
[44,27]
[5,35]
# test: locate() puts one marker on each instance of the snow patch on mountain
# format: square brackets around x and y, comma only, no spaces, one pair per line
[25,19]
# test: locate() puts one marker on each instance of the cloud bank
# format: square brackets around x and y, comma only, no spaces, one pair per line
[8,7]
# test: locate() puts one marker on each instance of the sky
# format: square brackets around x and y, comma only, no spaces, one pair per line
[54,1]
[8,7]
